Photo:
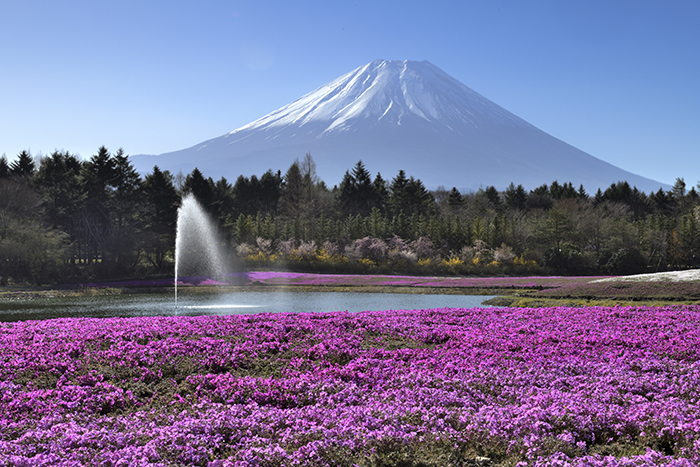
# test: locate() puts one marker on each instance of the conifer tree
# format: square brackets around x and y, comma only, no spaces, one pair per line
[160,216]
[455,200]
[24,165]
[98,175]
[381,193]
[202,188]
[357,194]
[4,167]
[515,197]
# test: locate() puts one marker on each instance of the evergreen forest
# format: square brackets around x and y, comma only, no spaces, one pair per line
[68,220]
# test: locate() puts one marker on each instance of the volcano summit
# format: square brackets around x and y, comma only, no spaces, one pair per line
[399,115]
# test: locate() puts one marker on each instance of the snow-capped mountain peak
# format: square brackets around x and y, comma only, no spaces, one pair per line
[387,92]
[399,115]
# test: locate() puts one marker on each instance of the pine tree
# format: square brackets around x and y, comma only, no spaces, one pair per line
[60,184]
[357,194]
[381,193]
[455,200]
[98,175]
[409,195]
[292,192]
[4,167]
[515,197]
[202,189]
[493,196]
[24,165]
[127,190]
[269,191]
[161,202]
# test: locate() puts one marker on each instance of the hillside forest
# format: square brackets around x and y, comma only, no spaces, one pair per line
[68,220]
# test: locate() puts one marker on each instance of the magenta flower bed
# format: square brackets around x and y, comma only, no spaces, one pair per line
[689,290]
[288,278]
[550,386]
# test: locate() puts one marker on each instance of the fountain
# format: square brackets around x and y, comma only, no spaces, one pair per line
[197,245]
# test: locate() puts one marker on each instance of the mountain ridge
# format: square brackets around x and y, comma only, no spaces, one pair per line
[399,115]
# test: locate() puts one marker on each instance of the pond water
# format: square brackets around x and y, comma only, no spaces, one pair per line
[226,303]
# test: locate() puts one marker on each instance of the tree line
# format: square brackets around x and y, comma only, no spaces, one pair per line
[64,219]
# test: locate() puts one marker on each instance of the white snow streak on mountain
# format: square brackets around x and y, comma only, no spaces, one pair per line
[382,90]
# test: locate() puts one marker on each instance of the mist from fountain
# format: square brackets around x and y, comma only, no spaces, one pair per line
[198,250]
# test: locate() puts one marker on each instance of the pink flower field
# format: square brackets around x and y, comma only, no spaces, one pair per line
[295,278]
[443,387]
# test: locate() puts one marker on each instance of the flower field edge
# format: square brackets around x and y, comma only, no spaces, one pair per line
[539,386]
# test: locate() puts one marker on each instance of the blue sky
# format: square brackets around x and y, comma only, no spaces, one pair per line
[617,79]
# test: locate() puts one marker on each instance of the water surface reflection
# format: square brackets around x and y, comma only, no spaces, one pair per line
[227,303]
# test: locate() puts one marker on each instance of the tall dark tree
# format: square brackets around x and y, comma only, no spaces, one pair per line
[223,204]
[125,205]
[244,196]
[60,183]
[540,198]
[455,200]
[494,197]
[202,189]
[555,190]
[98,175]
[161,202]
[4,167]
[410,196]
[126,185]
[515,197]
[24,165]
[357,194]
[581,194]
[621,192]
[269,193]
[293,192]
[381,192]
[398,194]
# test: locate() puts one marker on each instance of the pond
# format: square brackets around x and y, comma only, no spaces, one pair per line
[226,303]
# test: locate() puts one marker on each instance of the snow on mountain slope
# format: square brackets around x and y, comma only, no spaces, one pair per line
[399,115]
[386,92]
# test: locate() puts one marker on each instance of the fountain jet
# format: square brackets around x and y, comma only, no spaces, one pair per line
[198,249]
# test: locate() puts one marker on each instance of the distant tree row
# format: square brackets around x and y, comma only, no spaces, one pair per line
[66,219]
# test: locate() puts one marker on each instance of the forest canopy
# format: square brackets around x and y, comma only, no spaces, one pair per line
[64,219]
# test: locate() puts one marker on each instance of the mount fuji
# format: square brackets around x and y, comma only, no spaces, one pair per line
[396,115]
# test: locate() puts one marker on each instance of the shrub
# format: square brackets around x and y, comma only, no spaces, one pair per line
[466,254]
[402,256]
[397,243]
[264,245]
[370,248]
[286,247]
[423,247]
[482,252]
[626,261]
[330,248]
[504,254]
[306,250]
[568,259]
[244,250]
